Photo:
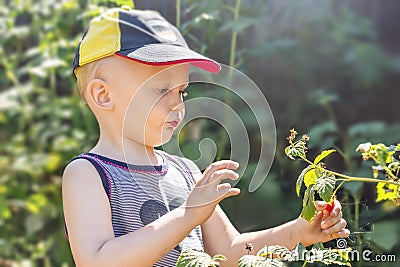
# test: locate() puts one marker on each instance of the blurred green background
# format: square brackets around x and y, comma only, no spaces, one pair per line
[328,68]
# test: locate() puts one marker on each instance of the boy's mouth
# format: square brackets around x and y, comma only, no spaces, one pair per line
[174,123]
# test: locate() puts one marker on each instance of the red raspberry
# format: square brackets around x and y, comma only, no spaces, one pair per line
[330,207]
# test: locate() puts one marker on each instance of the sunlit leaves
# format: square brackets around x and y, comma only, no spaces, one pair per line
[300,179]
[296,150]
[387,192]
[308,211]
[276,251]
[299,253]
[196,258]
[324,185]
[323,155]
[257,261]
[386,161]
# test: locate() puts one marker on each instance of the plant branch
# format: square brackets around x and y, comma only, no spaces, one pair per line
[348,178]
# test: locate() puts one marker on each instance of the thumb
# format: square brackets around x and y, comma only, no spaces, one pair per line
[225,190]
[317,219]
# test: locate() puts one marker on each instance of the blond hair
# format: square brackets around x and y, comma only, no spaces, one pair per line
[85,74]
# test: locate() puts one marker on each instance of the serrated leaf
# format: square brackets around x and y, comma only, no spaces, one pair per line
[296,150]
[310,177]
[257,261]
[308,211]
[318,245]
[332,256]
[323,155]
[287,152]
[299,251]
[387,191]
[300,179]
[275,251]
[325,185]
[197,258]
[219,257]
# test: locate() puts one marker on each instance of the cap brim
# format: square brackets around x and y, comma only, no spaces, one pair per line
[163,54]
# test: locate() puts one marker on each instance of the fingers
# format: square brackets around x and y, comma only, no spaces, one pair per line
[333,218]
[337,209]
[208,189]
[341,234]
[225,190]
[218,171]
[317,219]
[333,224]
[320,205]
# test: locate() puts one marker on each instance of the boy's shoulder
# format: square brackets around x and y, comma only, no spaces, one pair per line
[78,165]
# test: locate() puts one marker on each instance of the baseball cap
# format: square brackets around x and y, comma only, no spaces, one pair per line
[140,35]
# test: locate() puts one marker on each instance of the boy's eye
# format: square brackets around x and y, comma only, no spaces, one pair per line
[163,90]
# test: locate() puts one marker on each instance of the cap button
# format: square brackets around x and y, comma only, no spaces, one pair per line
[126,7]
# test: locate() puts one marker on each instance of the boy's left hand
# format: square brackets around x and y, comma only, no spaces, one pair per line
[324,226]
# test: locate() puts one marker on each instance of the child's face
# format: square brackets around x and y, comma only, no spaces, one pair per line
[149,100]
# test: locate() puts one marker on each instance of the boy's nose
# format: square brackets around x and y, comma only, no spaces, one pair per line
[178,104]
[176,101]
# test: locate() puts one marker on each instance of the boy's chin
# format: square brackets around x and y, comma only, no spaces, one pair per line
[163,141]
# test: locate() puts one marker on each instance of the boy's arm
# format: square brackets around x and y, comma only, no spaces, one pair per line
[88,219]
[221,237]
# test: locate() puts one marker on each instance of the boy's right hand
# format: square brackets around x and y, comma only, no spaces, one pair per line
[208,191]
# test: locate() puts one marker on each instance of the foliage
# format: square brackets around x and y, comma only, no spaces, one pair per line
[275,256]
[317,178]
[196,258]
[43,125]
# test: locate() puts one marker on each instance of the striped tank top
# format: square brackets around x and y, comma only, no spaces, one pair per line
[140,194]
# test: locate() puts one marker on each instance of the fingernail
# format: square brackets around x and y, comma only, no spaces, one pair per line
[326,232]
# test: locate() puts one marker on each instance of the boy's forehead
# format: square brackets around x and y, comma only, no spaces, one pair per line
[172,75]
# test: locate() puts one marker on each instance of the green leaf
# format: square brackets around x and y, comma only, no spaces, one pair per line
[257,261]
[329,256]
[310,177]
[197,258]
[364,128]
[385,235]
[129,3]
[319,135]
[219,257]
[5,212]
[239,24]
[296,150]
[387,191]
[323,155]
[299,251]
[275,251]
[325,185]
[36,202]
[300,179]
[319,253]
[309,209]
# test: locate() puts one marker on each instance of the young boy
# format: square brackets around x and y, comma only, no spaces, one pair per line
[127,204]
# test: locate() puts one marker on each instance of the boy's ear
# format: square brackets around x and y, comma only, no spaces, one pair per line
[99,92]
